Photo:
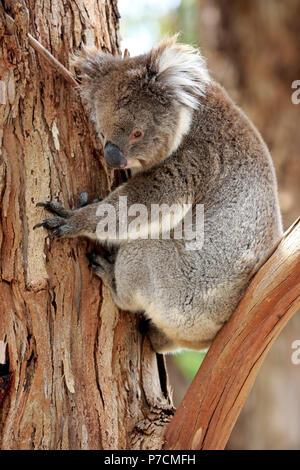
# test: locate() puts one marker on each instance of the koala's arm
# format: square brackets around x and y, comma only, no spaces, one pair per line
[165,184]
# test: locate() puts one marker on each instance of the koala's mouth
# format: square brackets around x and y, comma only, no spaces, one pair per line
[133,163]
[114,158]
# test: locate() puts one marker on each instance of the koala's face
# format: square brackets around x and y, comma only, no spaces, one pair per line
[142,106]
[136,129]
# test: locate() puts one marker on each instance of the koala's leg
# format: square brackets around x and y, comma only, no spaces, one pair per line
[137,287]
[170,284]
[105,269]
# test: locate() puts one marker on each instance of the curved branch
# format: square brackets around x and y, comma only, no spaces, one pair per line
[208,412]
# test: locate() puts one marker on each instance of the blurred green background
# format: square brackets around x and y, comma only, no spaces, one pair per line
[188,362]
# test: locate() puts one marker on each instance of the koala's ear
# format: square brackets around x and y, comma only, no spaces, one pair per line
[181,69]
[92,62]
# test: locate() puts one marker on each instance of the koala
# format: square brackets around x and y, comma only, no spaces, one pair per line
[163,116]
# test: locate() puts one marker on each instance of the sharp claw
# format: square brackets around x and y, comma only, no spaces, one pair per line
[40,224]
[55,208]
[50,223]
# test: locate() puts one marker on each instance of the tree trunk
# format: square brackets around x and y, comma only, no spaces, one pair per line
[253,50]
[80,374]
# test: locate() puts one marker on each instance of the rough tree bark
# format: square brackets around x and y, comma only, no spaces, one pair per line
[81,377]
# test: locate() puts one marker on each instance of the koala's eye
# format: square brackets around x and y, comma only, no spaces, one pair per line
[136,135]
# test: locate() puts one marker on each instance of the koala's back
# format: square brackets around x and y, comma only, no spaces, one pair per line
[242,216]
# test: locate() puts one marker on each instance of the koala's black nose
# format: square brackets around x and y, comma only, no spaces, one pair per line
[113,156]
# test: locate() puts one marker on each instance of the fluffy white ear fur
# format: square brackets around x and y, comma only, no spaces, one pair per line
[182,68]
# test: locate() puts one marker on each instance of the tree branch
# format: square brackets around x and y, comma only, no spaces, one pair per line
[207,414]
[58,66]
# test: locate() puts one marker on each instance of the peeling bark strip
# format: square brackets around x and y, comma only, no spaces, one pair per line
[212,404]
[83,377]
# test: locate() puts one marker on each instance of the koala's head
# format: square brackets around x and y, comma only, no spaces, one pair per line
[142,106]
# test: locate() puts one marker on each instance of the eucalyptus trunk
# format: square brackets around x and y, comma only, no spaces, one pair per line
[81,376]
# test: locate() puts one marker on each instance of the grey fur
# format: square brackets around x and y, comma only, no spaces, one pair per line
[220,160]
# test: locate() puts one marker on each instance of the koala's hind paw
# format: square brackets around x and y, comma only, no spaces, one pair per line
[98,263]
[101,267]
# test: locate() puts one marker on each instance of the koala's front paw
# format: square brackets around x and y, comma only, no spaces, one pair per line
[64,222]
